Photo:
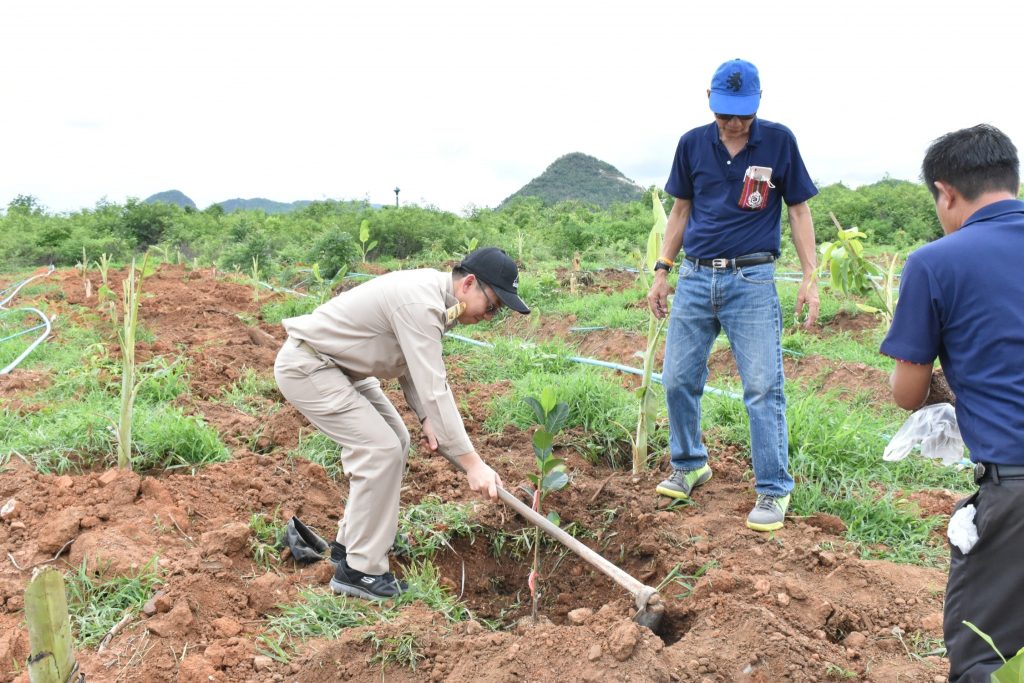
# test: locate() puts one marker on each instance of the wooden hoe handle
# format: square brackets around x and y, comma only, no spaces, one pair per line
[641,593]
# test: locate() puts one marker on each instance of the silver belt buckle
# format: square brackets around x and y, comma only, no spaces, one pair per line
[720,263]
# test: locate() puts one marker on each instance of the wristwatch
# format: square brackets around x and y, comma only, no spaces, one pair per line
[663,264]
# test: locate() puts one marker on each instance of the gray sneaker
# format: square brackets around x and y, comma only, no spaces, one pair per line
[682,482]
[769,512]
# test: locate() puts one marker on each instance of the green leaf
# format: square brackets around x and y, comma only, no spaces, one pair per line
[550,464]
[372,245]
[984,636]
[1011,672]
[547,399]
[554,518]
[535,480]
[554,481]
[555,419]
[542,440]
[364,230]
[538,411]
[867,309]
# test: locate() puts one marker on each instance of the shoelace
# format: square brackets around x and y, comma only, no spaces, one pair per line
[765,502]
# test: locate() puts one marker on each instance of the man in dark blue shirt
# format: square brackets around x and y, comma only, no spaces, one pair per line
[729,180]
[962,301]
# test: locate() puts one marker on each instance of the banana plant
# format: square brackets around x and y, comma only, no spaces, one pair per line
[1012,670]
[364,238]
[648,406]
[851,273]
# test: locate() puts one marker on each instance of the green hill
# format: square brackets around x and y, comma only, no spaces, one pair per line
[583,178]
[171,197]
[268,206]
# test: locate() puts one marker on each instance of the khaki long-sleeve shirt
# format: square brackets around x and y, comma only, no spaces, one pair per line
[391,327]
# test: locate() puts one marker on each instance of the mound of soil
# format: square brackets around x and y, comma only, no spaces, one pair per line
[793,605]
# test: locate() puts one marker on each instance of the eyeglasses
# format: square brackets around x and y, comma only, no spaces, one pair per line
[492,306]
[730,117]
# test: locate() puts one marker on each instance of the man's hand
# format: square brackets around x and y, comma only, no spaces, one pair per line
[428,439]
[482,479]
[657,297]
[808,296]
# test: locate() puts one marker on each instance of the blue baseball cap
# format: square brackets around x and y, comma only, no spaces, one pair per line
[735,88]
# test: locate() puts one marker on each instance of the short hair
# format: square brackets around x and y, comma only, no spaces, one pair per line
[974,161]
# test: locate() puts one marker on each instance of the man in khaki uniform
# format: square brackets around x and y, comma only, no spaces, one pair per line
[389,327]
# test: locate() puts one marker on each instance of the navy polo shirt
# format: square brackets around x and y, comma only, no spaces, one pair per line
[703,173]
[962,300]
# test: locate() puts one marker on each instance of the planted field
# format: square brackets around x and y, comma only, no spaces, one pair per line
[182,552]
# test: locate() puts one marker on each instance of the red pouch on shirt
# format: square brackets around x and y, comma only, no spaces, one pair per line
[757,183]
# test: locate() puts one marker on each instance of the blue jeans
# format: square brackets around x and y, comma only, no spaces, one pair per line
[745,304]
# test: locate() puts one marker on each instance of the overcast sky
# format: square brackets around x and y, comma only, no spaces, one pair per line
[460,103]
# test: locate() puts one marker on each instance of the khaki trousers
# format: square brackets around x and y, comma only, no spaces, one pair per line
[374,445]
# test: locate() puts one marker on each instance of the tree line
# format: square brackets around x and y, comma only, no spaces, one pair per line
[894,213]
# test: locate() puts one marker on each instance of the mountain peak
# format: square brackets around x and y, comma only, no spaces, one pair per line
[581,177]
[175,197]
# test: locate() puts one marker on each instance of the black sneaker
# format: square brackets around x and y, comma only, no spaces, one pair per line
[370,586]
[401,548]
[338,553]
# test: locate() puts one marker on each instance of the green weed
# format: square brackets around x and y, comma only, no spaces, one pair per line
[96,604]
[319,448]
[252,393]
[287,307]
[431,523]
[401,649]
[168,439]
[266,534]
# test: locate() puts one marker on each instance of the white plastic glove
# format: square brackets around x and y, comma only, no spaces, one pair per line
[962,532]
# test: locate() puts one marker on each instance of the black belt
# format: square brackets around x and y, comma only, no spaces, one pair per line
[988,470]
[738,262]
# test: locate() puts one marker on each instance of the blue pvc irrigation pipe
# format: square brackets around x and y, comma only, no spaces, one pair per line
[655,376]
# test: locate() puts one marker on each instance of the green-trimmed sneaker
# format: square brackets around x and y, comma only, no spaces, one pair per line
[682,482]
[769,512]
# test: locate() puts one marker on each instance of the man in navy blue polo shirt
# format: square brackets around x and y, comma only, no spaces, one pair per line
[729,180]
[962,300]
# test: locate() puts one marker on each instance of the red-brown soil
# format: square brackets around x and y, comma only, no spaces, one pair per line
[793,605]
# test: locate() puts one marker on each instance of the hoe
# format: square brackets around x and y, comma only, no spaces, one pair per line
[650,607]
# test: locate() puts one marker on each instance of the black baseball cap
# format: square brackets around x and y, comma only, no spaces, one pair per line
[497,269]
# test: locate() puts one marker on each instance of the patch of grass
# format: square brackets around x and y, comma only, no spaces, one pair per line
[602,411]
[168,439]
[252,393]
[432,523]
[263,546]
[836,458]
[842,346]
[510,359]
[287,307]
[320,614]
[620,309]
[60,437]
[425,586]
[401,649]
[318,448]
[96,604]
[837,672]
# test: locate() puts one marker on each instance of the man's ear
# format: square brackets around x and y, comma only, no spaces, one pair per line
[947,193]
